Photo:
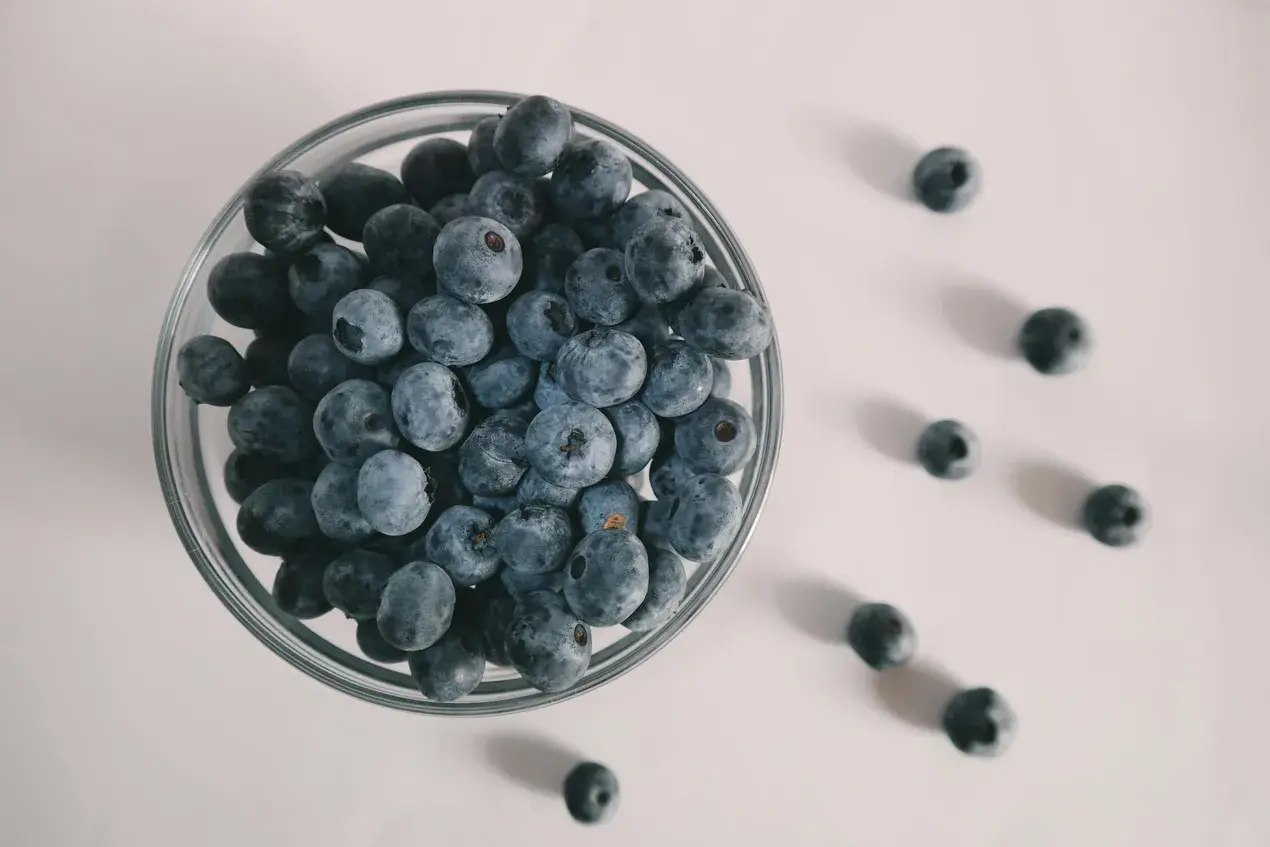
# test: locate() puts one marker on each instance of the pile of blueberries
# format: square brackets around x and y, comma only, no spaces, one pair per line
[436,435]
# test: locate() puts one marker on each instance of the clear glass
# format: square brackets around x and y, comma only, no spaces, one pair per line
[191,444]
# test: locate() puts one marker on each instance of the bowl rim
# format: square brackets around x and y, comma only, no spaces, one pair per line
[765,369]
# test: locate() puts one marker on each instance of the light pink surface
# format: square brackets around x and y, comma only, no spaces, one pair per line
[1125,152]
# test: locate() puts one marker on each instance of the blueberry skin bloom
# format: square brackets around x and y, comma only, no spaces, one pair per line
[334,499]
[679,380]
[602,367]
[354,582]
[450,331]
[719,437]
[637,437]
[707,519]
[435,168]
[607,577]
[392,492]
[211,371]
[948,450]
[452,667]
[611,504]
[273,420]
[979,722]
[597,289]
[502,379]
[354,193]
[641,209]
[477,260]
[591,793]
[664,260]
[1116,515]
[399,239]
[591,180]
[667,583]
[430,407]
[946,179]
[320,277]
[531,138]
[534,539]
[726,323]
[492,459]
[1055,341]
[546,642]
[881,636]
[518,203]
[462,542]
[297,586]
[285,211]
[249,290]
[315,366]
[550,252]
[278,517]
[367,327]
[571,445]
[450,208]
[534,490]
[547,392]
[354,421]
[416,606]
[539,324]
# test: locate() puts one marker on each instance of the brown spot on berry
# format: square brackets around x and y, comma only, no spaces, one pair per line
[615,522]
[495,242]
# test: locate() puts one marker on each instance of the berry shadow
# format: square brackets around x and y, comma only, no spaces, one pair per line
[1052,491]
[890,426]
[879,156]
[983,317]
[816,606]
[536,763]
[916,693]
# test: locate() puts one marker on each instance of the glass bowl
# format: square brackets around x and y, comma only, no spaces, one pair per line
[191,442]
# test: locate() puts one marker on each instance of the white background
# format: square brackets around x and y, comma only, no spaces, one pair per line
[1125,145]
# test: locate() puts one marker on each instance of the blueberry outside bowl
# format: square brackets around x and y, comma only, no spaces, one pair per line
[191,443]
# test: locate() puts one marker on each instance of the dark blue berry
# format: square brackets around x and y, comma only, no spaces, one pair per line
[284,211]
[416,606]
[948,450]
[1055,341]
[535,490]
[334,499]
[667,583]
[392,492]
[637,437]
[367,327]
[399,240]
[516,202]
[320,277]
[450,331]
[611,504]
[531,138]
[654,523]
[492,459]
[602,367]
[946,179]
[462,542]
[435,168]
[451,668]
[209,370]
[730,324]
[1116,515]
[547,392]
[495,619]
[477,259]
[405,291]
[664,260]
[607,577]
[679,379]
[275,421]
[572,445]
[354,421]
[592,179]
[641,209]
[518,584]
[266,359]
[249,290]
[881,636]
[278,517]
[315,366]
[534,539]
[672,311]
[480,146]
[719,437]
[354,193]
[297,586]
[597,289]
[979,722]
[648,325]
[591,793]
[596,232]
[548,256]
[449,208]
[539,323]
[430,407]
[502,379]
[246,471]
[707,518]
[372,643]
[668,475]
[546,643]
[354,582]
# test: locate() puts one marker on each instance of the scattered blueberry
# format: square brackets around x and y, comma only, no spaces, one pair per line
[355,580]
[946,179]
[501,379]
[518,583]
[535,490]
[602,367]
[637,436]
[547,392]
[274,421]
[449,208]
[534,539]
[477,260]
[297,586]
[668,475]
[435,168]
[315,366]
[211,371]
[546,643]
[591,793]
[1116,515]
[531,138]
[462,542]
[450,331]
[679,380]
[648,325]
[1055,341]
[664,260]
[266,359]
[539,324]
[979,722]
[514,201]
[392,492]
[730,324]
[707,519]
[591,180]
[284,211]
[881,636]
[611,504]
[334,499]
[246,471]
[354,193]
[948,450]
[249,290]
[643,208]
[430,407]
[320,277]
[607,577]
[399,240]
[492,459]
[719,437]
[354,421]
[548,256]
[372,643]
[572,444]
[597,289]
[450,668]
[278,517]
[667,583]
[366,326]
[722,373]
[480,146]
[416,606]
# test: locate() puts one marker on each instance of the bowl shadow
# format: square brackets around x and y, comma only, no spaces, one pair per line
[916,693]
[1051,490]
[533,761]
[890,426]
[983,317]
[817,607]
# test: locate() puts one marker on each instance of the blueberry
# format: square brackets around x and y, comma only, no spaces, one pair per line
[668,475]
[592,179]
[354,193]
[946,179]
[249,290]
[664,260]
[355,580]
[707,518]
[679,380]
[501,379]
[274,421]
[392,492]
[372,643]
[518,584]
[404,291]
[526,410]
[297,586]
[672,311]
[211,371]
[539,324]
[979,722]
[643,208]
[948,450]
[516,202]
[284,211]
[416,606]
[607,577]
[492,459]
[596,232]
[445,486]
[535,490]
[266,360]
[462,542]
[531,138]
[730,324]
[666,586]
[399,240]
[722,373]
[534,539]
[546,643]
[654,523]
[354,421]
[477,260]
[597,289]
[367,327]
[602,367]
[435,168]
[571,445]
[389,372]
[548,256]
[1055,341]
[246,471]
[480,146]
[451,668]
[430,407]
[591,793]
[648,325]
[881,636]
[278,517]
[315,366]
[321,276]
[611,504]
[719,437]
[334,500]
[449,208]
[637,436]
[450,331]
[495,619]
[1116,515]
[547,392]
